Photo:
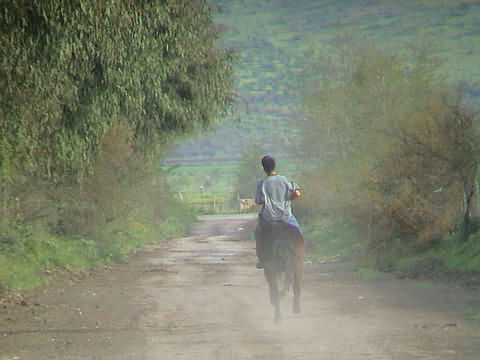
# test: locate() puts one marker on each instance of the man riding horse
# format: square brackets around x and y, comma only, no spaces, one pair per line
[275,194]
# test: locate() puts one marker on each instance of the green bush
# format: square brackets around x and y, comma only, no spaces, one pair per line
[31,257]
[464,256]
[389,147]
[68,75]
[331,238]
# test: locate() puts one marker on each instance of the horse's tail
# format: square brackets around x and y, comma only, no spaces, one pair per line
[283,250]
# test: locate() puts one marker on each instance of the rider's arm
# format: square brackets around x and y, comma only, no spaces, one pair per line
[295,194]
[259,200]
[294,191]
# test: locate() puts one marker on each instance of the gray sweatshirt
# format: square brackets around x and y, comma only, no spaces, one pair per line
[273,192]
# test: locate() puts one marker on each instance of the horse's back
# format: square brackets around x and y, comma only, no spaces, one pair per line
[281,246]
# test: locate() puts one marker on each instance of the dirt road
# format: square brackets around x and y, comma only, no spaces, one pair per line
[200,297]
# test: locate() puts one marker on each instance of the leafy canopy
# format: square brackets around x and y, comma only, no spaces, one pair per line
[69,69]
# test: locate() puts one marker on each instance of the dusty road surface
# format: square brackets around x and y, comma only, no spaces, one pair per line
[200,297]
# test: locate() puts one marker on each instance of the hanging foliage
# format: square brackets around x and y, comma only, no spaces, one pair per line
[69,69]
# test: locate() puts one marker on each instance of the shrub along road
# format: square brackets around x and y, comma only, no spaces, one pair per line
[200,297]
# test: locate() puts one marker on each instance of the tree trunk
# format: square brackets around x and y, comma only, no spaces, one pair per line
[470,188]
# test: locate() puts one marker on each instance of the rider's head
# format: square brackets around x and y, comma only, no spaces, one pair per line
[268,164]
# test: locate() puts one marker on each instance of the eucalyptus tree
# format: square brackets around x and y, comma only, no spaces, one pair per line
[71,69]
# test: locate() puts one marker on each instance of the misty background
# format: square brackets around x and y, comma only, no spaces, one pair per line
[368,105]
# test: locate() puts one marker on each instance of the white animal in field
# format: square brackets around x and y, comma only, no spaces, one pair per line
[245,204]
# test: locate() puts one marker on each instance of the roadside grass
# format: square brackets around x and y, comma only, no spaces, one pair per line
[465,257]
[454,255]
[476,317]
[30,268]
[330,238]
[29,265]
[334,240]
[424,285]
[366,273]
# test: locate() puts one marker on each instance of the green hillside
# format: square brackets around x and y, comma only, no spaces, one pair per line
[274,38]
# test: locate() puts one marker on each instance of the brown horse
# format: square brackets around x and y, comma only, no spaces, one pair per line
[284,252]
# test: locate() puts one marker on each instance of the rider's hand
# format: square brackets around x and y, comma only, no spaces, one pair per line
[295,194]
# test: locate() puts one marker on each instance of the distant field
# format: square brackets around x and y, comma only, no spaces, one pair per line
[206,177]
[204,182]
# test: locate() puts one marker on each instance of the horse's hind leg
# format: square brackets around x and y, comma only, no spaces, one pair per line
[278,315]
[275,299]
[298,279]
[272,286]
[287,283]
[274,293]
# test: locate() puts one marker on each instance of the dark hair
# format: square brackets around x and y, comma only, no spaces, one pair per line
[268,163]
